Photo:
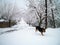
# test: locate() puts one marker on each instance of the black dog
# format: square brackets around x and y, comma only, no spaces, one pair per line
[38,28]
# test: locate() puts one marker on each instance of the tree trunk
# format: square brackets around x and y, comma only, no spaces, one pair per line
[40,22]
[40,16]
[9,23]
[53,19]
[46,14]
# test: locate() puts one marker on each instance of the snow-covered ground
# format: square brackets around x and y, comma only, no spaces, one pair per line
[26,35]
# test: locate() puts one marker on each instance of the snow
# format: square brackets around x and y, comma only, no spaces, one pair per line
[28,36]
[21,24]
[1,20]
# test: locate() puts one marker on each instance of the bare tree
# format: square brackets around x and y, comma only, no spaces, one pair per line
[53,18]
[38,9]
[46,14]
[46,11]
[8,11]
[52,10]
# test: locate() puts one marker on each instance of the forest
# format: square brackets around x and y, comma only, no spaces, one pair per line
[43,13]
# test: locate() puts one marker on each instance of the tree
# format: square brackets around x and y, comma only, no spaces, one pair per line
[53,19]
[57,13]
[46,14]
[8,11]
[37,8]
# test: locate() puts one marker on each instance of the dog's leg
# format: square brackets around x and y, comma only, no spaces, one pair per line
[42,33]
[36,30]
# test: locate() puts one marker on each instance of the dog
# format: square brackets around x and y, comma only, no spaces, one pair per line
[42,30]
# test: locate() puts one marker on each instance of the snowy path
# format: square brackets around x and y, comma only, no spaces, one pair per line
[26,35]
[30,37]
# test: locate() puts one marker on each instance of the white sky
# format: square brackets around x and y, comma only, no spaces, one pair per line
[20,3]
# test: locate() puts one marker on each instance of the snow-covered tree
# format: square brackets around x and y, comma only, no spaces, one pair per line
[9,11]
[36,7]
[57,13]
[54,13]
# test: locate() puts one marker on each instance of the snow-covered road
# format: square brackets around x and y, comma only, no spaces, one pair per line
[26,35]
[30,37]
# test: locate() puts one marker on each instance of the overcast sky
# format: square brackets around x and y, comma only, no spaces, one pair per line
[19,3]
